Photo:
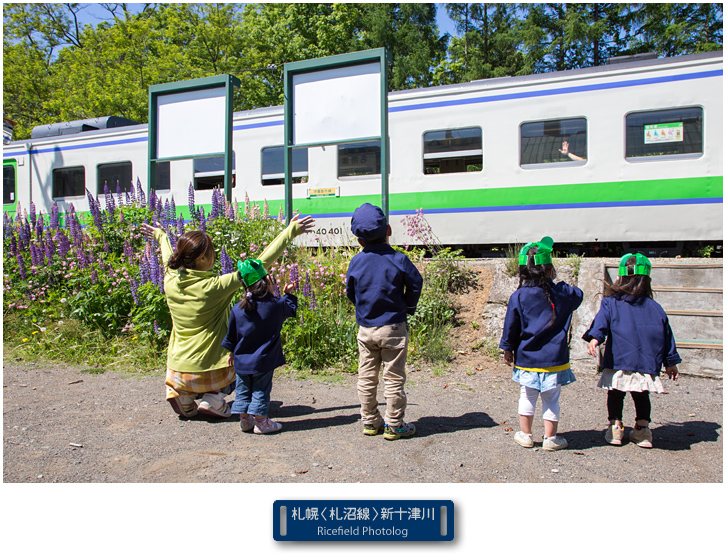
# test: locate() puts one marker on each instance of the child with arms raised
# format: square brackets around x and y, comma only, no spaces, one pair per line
[534,341]
[199,302]
[253,338]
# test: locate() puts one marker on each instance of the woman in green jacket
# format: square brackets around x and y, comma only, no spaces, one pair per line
[199,303]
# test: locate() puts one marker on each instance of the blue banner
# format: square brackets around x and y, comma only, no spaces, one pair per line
[363,520]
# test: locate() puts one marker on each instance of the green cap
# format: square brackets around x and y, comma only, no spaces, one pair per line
[641,266]
[251,271]
[543,254]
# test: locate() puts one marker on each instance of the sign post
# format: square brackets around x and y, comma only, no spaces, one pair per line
[340,99]
[192,119]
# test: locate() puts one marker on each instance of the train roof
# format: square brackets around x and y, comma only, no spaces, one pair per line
[89,127]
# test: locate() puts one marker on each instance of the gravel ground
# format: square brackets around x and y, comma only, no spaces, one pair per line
[61,425]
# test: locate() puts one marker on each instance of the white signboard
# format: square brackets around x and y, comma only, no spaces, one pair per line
[337,104]
[667,132]
[191,123]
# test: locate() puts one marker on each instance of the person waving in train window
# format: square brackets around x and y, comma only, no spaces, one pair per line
[199,303]
[565,150]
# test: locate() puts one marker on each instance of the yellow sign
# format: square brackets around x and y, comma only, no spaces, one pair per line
[324,191]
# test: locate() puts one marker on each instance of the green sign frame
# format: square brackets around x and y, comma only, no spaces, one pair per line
[227,81]
[328,63]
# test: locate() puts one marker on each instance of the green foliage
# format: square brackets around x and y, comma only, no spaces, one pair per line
[512,255]
[57,69]
[706,251]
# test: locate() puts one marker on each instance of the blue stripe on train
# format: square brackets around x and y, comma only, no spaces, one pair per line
[435,104]
[570,205]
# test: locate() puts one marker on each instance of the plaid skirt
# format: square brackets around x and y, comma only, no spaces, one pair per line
[189,383]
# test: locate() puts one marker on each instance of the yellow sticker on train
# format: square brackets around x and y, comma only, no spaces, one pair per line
[323,191]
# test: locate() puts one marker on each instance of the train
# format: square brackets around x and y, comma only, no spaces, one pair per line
[626,155]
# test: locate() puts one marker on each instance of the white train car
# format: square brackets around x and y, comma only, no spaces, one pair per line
[629,153]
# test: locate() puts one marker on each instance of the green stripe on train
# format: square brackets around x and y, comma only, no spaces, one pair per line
[662,189]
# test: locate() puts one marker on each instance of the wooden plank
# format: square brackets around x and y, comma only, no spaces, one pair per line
[699,346]
[694,313]
[687,289]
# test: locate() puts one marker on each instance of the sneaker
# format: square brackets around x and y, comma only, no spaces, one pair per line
[554,443]
[246,422]
[614,435]
[214,404]
[642,436]
[525,440]
[184,406]
[372,429]
[267,426]
[398,432]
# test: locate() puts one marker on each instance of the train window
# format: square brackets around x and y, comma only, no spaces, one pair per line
[359,159]
[162,172]
[273,166]
[555,141]
[452,151]
[8,184]
[209,172]
[69,181]
[667,132]
[114,175]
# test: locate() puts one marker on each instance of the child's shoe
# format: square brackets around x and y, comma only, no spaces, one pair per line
[184,406]
[554,443]
[215,405]
[246,422]
[373,429]
[267,426]
[525,440]
[642,436]
[614,435]
[398,432]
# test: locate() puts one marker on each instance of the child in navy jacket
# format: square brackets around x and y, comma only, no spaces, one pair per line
[253,338]
[638,342]
[534,341]
[385,286]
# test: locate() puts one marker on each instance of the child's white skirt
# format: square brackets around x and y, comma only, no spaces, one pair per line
[624,380]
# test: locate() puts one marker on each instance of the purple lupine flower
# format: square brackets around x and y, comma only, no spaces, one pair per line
[307,287]
[134,286]
[21,264]
[164,216]
[313,303]
[154,270]
[140,192]
[173,209]
[180,226]
[64,245]
[144,269]
[49,248]
[54,216]
[94,277]
[157,330]
[225,262]
[294,274]
[33,218]
[215,205]
[13,244]
[33,255]
[152,199]
[39,226]
[110,204]
[192,207]
[276,291]
[172,238]
[82,258]
[202,222]
[130,198]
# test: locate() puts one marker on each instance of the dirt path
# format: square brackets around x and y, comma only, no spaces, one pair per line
[65,426]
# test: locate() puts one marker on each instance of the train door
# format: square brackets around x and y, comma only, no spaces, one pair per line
[10,185]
